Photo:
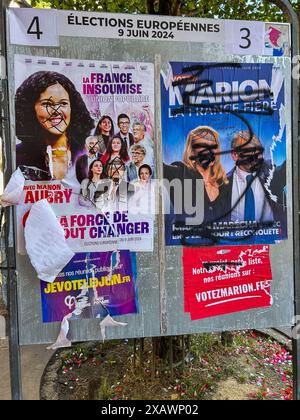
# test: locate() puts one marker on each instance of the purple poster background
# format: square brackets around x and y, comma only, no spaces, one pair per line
[114,295]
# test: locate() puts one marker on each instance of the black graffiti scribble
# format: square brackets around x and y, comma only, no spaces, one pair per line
[92,150]
[207,155]
[115,169]
[53,111]
[209,265]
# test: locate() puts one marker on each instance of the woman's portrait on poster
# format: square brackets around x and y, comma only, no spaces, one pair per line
[104,132]
[52,123]
[96,188]
[201,160]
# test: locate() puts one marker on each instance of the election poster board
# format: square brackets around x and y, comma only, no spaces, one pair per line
[198,100]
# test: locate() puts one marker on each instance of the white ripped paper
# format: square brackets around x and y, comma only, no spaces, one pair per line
[45,242]
[14,189]
[49,154]
[109,322]
[277,82]
[81,302]
[62,340]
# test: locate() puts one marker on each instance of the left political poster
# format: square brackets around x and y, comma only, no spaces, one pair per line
[84,142]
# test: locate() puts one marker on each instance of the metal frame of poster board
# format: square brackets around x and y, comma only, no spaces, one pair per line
[8,261]
[20,336]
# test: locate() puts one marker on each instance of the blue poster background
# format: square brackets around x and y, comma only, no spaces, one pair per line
[243,80]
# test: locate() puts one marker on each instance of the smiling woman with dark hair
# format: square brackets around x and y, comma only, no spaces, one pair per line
[104,132]
[52,123]
[116,148]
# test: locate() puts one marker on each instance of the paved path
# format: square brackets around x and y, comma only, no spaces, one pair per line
[34,360]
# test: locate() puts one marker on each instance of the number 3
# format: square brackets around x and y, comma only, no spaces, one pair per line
[246,37]
[37,32]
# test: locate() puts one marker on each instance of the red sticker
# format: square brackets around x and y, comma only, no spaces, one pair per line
[224,280]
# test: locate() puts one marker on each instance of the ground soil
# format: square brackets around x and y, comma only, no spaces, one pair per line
[255,367]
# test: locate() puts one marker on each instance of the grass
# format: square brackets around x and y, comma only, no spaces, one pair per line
[109,372]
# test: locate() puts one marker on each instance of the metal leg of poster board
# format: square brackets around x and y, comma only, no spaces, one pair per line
[296,121]
[14,348]
[287,8]
[10,260]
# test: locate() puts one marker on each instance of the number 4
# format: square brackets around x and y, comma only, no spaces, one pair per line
[35,22]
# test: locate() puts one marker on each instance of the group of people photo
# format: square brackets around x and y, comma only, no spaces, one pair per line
[115,165]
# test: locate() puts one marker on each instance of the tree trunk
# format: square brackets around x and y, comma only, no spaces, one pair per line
[227,339]
[151,7]
[163,348]
[170,7]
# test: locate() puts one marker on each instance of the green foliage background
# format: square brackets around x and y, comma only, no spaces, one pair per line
[223,9]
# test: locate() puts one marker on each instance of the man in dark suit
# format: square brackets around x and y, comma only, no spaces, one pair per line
[256,190]
[83,162]
[123,134]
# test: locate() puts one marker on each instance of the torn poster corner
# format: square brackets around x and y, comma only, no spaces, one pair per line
[14,189]
[45,242]
[62,340]
[109,322]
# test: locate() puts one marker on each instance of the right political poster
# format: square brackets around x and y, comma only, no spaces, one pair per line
[224,153]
